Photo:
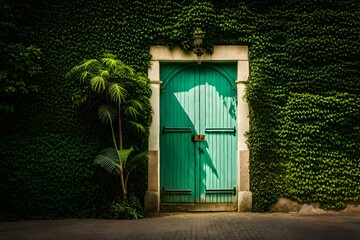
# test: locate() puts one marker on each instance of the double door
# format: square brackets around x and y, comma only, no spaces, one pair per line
[198,135]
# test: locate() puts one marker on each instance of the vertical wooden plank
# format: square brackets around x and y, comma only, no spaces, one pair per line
[220,159]
[198,97]
[177,152]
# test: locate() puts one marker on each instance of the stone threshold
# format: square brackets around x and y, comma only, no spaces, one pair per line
[193,207]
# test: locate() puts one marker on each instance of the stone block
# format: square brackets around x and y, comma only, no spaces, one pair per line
[352,208]
[152,201]
[153,171]
[285,205]
[244,201]
[244,185]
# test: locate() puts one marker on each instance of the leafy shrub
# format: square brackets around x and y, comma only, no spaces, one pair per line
[127,209]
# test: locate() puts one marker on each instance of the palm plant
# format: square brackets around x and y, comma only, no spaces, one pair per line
[103,84]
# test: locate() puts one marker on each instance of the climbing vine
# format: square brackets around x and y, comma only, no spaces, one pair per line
[303,96]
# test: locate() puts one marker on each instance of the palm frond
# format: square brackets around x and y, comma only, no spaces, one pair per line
[84,75]
[133,107]
[104,73]
[131,111]
[98,83]
[70,73]
[136,104]
[107,163]
[74,71]
[107,113]
[83,66]
[87,64]
[83,70]
[117,92]
[124,154]
[109,55]
[117,66]
[138,126]
[110,61]
[111,153]
[124,70]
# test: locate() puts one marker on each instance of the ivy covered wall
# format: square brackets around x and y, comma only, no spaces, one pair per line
[304,98]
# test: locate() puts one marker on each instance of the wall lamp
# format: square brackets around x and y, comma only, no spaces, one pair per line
[198,42]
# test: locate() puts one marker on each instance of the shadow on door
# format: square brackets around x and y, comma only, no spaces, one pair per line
[198,100]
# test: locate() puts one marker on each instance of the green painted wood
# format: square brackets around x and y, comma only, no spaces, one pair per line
[177,154]
[198,99]
[218,112]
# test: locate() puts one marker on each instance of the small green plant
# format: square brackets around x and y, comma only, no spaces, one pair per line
[130,209]
[104,85]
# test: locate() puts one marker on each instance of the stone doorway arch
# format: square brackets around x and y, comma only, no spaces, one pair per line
[222,53]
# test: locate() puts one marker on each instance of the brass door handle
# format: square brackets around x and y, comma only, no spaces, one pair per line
[198,138]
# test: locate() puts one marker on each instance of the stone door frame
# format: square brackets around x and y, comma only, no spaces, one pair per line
[222,53]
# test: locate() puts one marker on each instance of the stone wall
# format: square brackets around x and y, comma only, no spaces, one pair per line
[289,206]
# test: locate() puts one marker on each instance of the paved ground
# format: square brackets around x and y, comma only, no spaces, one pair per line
[229,225]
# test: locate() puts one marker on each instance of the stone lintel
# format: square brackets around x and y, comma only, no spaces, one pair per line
[220,53]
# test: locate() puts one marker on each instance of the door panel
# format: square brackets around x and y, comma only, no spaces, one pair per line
[198,100]
[218,121]
[177,151]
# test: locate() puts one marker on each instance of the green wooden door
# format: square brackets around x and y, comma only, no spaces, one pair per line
[198,101]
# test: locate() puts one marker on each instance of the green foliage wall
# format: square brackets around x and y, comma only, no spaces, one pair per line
[304,99]
[51,175]
[303,94]
[319,143]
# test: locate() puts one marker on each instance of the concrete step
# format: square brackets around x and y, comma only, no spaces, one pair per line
[193,207]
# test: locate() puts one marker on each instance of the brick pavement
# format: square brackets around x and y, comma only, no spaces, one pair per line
[225,225]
